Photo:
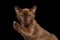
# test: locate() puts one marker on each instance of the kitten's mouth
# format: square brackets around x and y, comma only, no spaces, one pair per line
[25,23]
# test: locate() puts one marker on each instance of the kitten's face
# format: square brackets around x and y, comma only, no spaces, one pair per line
[25,16]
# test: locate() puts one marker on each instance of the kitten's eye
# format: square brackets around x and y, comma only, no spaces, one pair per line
[20,16]
[29,16]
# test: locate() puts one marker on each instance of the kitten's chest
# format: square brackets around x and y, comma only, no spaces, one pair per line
[37,35]
[34,36]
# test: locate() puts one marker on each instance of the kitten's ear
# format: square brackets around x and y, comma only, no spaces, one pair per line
[33,9]
[17,9]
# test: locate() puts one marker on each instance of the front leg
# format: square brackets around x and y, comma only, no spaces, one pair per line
[25,31]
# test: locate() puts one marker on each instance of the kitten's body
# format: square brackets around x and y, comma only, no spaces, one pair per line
[33,31]
[41,34]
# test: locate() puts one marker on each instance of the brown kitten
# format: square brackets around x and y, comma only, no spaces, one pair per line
[28,27]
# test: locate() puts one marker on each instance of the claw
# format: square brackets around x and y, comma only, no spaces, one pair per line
[14,22]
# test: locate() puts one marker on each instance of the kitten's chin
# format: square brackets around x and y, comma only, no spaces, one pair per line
[25,23]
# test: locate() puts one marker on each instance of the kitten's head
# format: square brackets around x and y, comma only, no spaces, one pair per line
[25,16]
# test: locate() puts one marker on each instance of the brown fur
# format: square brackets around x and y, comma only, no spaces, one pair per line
[29,28]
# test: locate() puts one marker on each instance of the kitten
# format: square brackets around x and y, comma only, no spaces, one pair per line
[28,27]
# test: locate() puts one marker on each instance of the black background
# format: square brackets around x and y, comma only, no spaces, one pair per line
[46,15]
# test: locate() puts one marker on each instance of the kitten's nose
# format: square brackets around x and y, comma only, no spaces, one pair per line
[25,20]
